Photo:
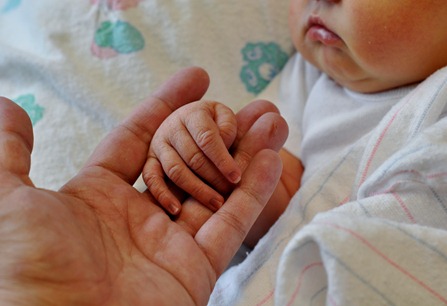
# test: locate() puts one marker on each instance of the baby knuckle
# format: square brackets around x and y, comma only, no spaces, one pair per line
[151,180]
[198,161]
[205,138]
[175,172]
[200,190]
[228,133]
[220,184]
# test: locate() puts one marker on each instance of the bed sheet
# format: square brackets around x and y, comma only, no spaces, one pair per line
[78,67]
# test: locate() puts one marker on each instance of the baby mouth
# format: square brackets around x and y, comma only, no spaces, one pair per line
[318,32]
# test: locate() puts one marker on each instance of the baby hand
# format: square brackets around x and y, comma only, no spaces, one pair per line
[191,149]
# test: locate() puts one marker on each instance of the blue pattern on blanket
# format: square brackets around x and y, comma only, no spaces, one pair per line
[10,5]
[120,36]
[263,61]
[28,103]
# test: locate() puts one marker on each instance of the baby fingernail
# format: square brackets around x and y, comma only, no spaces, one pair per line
[173,209]
[216,203]
[235,177]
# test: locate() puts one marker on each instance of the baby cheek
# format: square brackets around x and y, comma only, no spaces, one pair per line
[381,45]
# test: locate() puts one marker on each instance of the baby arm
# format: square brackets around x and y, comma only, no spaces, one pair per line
[190,148]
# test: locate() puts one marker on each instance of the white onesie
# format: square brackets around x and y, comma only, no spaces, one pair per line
[323,117]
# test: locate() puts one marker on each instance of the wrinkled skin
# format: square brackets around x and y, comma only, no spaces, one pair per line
[98,241]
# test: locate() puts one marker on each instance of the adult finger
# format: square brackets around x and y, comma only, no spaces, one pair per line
[16,141]
[270,131]
[124,150]
[249,114]
[223,233]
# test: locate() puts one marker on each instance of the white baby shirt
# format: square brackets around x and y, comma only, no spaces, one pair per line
[323,117]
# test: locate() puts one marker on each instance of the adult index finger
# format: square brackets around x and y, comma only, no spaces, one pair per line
[223,233]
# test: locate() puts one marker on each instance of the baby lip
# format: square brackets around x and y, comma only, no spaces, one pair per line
[317,31]
[315,20]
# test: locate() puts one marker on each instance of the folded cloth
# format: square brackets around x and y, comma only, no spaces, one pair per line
[79,67]
[369,228]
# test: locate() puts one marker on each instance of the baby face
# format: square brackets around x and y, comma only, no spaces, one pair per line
[371,45]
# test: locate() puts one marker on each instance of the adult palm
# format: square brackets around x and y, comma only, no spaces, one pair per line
[98,241]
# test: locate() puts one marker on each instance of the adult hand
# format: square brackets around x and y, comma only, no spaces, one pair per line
[98,241]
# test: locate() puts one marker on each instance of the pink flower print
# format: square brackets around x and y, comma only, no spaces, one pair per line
[103,53]
[118,5]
